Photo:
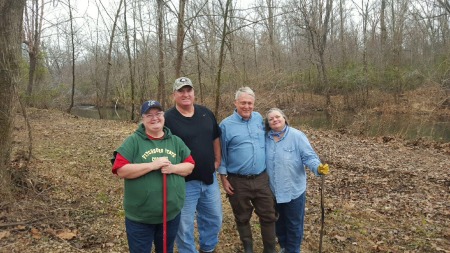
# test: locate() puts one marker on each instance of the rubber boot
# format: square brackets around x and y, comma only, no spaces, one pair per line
[269,247]
[268,237]
[248,246]
[245,234]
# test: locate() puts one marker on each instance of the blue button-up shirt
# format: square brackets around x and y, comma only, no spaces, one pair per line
[286,161]
[243,144]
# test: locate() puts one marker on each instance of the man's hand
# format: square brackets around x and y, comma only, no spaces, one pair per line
[226,185]
[323,169]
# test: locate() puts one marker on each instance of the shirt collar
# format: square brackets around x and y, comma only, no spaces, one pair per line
[278,134]
[236,114]
[285,131]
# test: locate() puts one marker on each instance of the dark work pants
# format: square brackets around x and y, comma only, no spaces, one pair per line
[253,194]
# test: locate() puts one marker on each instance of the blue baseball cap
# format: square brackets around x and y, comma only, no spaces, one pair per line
[147,105]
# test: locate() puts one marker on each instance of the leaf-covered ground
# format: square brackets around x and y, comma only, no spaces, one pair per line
[383,194]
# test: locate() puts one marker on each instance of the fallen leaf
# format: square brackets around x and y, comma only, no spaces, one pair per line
[66,235]
[21,227]
[4,234]
[35,233]
[340,238]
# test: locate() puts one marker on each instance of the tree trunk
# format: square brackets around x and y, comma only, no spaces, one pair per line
[161,65]
[10,38]
[445,4]
[72,34]
[180,38]
[221,57]
[130,61]
[383,31]
[317,27]
[109,64]
[199,67]
[33,40]
[341,33]
[271,31]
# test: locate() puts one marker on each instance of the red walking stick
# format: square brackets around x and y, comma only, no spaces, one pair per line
[164,213]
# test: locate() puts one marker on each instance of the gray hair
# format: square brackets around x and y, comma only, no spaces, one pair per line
[245,90]
[266,120]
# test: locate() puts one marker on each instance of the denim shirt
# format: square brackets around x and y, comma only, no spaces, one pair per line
[286,161]
[242,143]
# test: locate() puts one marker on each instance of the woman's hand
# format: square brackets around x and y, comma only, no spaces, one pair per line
[161,162]
[323,169]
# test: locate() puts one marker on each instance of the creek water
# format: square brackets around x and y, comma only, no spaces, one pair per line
[90,111]
[400,125]
[406,126]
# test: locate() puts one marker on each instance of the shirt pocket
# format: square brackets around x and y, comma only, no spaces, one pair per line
[289,154]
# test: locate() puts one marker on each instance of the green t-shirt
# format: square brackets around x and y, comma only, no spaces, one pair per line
[143,197]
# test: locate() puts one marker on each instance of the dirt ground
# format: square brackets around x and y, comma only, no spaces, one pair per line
[383,194]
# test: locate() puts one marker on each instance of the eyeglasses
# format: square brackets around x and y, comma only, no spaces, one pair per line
[151,116]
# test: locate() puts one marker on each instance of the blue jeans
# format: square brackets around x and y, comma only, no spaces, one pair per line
[289,227]
[141,236]
[203,202]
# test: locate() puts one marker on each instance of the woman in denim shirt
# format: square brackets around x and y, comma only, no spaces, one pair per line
[288,151]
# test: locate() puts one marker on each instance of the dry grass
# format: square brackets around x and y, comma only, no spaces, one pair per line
[383,195]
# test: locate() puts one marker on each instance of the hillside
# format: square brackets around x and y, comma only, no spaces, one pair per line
[383,194]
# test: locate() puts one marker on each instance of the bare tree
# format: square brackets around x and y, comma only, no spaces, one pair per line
[341,32]
[109,64]
[33,30]
[383,30]
[180,38]
[161,66]
[316,18]
[72,34]
[130,61]
[142,58]
[445,4]
[271,32]
[221,56]
[10,38]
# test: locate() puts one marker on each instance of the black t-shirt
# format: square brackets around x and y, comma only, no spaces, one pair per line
[198,132]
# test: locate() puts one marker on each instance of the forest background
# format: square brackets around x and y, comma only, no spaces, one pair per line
[367,57]
[120,53]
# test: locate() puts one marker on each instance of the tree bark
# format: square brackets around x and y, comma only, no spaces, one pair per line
[33,41]
[72,34]
[221,57]
[161,64]
[10,38]
[383,31]
[130,62]
[109,64]
[445,4]
[341,32]
[271,31]
[180,38]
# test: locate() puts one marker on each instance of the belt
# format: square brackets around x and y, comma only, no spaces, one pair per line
[253,176]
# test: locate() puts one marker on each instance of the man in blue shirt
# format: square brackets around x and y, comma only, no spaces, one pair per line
[243,171]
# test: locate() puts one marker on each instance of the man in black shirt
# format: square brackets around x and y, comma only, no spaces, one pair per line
[197,126]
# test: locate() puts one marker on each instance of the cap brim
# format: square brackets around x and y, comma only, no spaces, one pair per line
[178,88]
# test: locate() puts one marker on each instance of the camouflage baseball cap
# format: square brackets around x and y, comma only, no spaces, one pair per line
[181,82]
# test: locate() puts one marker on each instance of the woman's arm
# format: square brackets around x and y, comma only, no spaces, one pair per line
[135,170]
[182,169]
